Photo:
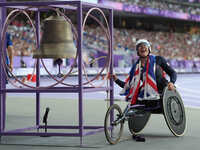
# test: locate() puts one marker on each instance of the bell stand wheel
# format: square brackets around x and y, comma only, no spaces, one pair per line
[174,112]
[137,122]
[113,128]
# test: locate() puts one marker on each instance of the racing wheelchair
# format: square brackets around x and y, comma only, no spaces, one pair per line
[170,105]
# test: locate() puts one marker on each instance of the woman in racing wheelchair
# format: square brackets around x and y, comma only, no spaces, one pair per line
[146,79]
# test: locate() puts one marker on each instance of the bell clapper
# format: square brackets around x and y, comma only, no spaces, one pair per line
[59,62]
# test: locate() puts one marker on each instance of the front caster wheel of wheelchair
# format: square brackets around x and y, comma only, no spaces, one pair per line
[113,124]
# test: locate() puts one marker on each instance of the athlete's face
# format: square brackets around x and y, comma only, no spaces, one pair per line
[143,50]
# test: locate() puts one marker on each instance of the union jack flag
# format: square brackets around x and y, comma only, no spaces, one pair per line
[136,89]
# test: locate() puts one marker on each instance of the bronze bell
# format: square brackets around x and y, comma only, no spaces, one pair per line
[57,39]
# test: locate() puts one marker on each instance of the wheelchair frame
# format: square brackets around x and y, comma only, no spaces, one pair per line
[138,115]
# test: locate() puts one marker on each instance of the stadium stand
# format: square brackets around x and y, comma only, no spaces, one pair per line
[177,6]
[179,45]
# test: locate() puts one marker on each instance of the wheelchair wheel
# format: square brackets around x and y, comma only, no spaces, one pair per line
[174,112]
[137,122]
[113,127]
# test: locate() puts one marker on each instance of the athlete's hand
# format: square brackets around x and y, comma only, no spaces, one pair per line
[112,76]
[171,86]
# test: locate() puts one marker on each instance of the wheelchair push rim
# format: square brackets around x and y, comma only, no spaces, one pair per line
[112,127]
[174,112]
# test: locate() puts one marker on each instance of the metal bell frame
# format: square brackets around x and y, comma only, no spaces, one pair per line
[4,29]
[75,33]
[79,6]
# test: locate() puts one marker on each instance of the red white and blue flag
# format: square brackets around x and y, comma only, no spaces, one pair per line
[136,89]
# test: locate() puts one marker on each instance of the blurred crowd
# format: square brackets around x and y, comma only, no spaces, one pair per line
[23,38]
[168,44]
[165,5]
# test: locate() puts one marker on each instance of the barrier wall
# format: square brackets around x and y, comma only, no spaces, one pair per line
[120,66]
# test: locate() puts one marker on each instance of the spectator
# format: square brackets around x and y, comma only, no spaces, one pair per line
[10,50]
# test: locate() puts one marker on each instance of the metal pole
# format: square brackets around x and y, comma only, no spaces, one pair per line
[79,12]
[37,18]
[1,68]
[111,66]
[3,80]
